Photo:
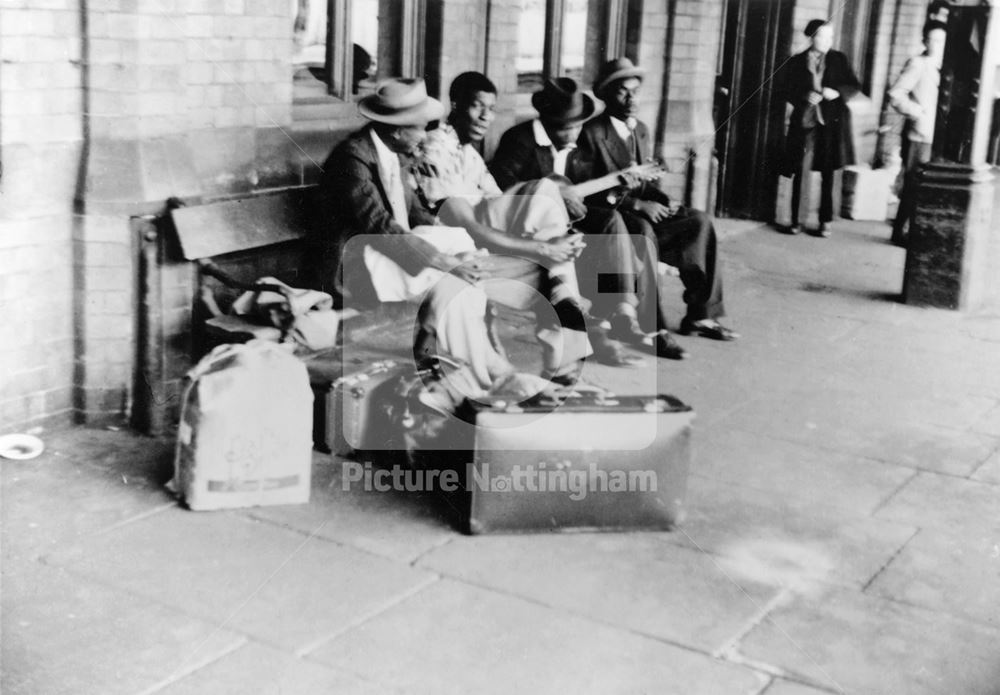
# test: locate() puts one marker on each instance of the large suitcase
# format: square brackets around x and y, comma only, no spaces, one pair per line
[345,402]
[589,462]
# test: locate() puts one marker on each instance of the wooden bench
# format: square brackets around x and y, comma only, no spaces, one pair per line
[194,261]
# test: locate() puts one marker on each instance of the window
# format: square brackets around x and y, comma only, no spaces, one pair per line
[343,46]
[566,37]
[858,38]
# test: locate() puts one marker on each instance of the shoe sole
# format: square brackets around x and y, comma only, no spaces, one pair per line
[708,335]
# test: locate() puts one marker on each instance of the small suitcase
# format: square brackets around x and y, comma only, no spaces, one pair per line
[589,462]
[345,417]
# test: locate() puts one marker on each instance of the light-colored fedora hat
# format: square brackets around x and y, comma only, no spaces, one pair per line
[614,70]
[562,101]
[401,101]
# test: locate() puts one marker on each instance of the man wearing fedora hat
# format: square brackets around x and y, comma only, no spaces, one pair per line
[406,255]
[546,147]
[683,237]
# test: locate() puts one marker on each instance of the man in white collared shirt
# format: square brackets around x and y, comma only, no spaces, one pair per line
[915,95]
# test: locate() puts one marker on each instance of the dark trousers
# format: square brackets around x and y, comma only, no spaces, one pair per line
[802,178]
[688,242]
[913,154]
[609,270]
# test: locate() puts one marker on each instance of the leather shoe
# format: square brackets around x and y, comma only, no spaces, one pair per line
[823,230]
[792,229]
[707,328]
[611,352]
[625,328]
[666,346]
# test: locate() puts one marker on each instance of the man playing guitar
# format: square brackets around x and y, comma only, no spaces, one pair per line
[684,238]
[619,280]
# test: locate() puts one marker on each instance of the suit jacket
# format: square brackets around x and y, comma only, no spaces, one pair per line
[354,200]
[519,158]
[834,137]
[605,152]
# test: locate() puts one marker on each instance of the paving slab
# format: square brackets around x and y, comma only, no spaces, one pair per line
[909,367]
[982,326]
[634,581]
[989,471]
[786,687]
[395,524]
[946,503]
[64,635]
[844,421]
[795,470]
[255,668]
[988,423]
[854,643]
[56,499]
[947,572]
[786,541]
[455,638]
[284,588]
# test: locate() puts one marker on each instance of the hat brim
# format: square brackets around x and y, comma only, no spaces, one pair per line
[622,74]
[429,110]
[591,107]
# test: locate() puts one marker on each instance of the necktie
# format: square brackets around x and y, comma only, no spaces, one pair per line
[632,142]
[397,198]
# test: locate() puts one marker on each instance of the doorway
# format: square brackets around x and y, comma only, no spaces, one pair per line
[749,110]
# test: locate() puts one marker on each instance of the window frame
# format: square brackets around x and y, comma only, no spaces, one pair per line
[614,29]
[857,33]
[408,51]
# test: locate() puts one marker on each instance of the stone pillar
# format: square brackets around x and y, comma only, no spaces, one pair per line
[948,261]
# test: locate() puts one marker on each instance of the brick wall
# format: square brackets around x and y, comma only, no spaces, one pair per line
[40,142]
[465,19]
[501,57]
[108,108]
[689,133]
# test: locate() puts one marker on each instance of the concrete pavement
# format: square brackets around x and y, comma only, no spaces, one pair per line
[843,534]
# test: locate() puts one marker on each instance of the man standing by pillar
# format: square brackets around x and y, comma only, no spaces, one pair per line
[915,95]
[818,83]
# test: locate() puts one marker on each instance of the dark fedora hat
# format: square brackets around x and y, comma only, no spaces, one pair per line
[562,101]
[614,70]
[401,101]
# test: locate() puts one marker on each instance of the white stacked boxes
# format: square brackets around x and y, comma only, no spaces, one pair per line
[866,193]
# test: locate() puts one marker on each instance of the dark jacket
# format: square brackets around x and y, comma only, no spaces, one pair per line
[519,158]
[353,200]
[834,139]
[605,152]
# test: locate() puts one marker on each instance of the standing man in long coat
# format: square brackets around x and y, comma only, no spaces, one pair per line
[818,83]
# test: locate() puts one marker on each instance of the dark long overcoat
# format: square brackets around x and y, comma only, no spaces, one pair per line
[834,139]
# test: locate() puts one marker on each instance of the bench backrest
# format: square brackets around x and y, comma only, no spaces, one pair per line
[242,224]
